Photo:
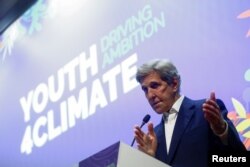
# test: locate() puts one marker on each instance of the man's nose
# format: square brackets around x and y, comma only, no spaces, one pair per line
[150,94]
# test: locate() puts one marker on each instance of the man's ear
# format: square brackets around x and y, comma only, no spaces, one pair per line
[175,84]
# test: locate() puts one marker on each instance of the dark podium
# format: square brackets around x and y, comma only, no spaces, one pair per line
[121,155]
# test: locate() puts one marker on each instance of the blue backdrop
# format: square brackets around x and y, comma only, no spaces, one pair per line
[67,84]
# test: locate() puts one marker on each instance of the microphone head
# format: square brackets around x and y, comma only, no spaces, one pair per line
[146,118]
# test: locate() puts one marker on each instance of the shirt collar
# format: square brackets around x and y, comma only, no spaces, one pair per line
[177,105]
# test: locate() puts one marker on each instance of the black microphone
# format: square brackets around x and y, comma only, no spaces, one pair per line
[144,121]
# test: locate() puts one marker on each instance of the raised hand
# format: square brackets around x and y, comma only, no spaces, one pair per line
[213,115]
[146,142]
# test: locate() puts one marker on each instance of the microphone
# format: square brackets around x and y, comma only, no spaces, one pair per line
[144,121]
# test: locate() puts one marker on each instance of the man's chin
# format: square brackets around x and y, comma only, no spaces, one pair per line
[158,111]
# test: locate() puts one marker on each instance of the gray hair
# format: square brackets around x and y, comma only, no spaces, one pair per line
[164,68]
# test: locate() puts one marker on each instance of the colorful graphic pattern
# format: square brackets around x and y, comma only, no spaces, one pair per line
[244,15]
[241,116]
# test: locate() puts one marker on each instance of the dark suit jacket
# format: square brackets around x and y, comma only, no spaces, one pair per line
[193,138]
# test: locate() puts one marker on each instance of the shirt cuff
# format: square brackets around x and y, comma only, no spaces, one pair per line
[223,136]
[225,131]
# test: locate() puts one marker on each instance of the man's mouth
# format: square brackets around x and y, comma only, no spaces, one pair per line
[155,103]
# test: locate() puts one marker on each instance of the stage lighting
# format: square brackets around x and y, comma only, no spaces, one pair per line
[10,10]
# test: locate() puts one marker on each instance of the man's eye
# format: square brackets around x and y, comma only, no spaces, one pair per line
[154,85]
[144,89]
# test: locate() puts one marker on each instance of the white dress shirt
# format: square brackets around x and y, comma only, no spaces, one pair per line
[170,119]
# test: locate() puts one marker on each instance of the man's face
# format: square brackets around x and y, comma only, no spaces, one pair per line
[159,94]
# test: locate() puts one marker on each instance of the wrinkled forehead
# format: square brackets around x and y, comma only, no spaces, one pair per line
[153,76]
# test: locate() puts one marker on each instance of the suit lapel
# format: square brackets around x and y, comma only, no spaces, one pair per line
[183,119]
[161,150]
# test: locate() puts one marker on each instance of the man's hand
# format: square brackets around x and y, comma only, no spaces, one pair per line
[146,142]
[213,115]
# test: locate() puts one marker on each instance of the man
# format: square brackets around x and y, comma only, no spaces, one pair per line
[189,129]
